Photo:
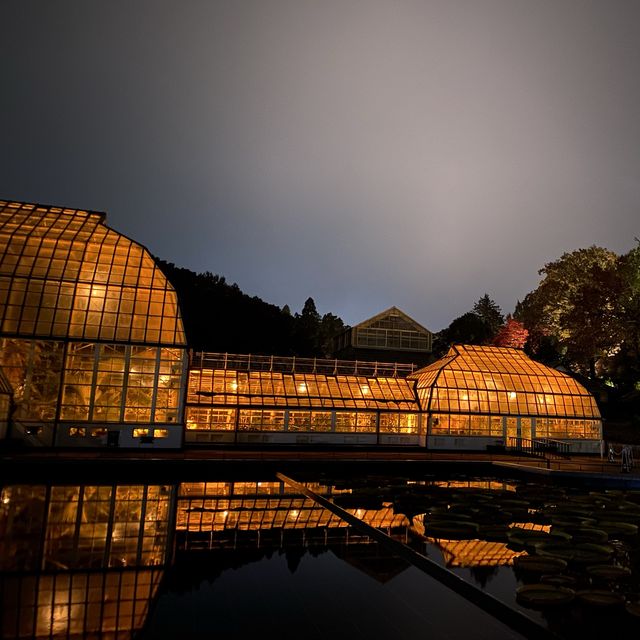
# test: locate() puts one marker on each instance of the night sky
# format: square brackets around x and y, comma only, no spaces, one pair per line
[365,153]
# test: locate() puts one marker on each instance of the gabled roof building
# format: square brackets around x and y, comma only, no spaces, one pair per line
[388,336]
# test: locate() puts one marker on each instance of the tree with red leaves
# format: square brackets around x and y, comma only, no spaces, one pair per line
[512,334]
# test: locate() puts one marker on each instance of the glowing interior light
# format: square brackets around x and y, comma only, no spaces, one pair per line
[293,513]
[302,387]
[512,395]
[234,386]
[365,390]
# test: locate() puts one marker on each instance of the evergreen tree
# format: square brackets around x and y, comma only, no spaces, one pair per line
[490,313]
[469,328]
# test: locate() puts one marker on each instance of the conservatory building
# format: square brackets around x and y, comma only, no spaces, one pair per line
[478,396]
[280,400]
[93,354]
[91,339]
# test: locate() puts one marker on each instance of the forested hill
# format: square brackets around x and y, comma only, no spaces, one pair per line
[220,317]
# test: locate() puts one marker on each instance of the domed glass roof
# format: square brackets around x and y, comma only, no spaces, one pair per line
[500,381]
[64,273]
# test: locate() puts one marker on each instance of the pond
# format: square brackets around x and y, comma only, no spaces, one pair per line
[240,556]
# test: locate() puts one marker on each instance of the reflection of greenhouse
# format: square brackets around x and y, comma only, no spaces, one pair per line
[81,561]
[93,354]
[211,512]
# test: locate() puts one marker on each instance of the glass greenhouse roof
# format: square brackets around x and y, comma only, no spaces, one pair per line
[267,388]
[500,381]
[64,273]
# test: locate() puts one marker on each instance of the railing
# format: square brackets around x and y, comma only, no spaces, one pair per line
[540,447]
[283,364]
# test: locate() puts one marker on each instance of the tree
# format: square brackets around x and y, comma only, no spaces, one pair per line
[330,327]
[469,328]
[576,305]
[490,313]
[624,366]
[306,332]
[511,334]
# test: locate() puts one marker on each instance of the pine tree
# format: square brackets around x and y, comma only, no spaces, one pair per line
[490,313]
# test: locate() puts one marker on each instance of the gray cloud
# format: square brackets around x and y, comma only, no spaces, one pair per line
[364,153]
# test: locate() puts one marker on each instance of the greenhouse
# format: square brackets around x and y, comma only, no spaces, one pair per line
[93,354]
[477,396]
[300,401]
[91,339]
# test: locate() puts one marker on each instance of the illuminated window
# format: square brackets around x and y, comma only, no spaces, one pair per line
[77,432]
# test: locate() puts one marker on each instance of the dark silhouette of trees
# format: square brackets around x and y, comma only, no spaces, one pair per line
[220,317]
[478,326]
[469,328]
[490,313]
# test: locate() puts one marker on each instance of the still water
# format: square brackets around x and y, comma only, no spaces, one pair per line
[236,558]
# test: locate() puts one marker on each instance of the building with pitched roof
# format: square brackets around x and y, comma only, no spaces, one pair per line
[388,336]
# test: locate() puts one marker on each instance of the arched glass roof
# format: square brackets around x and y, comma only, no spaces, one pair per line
[64,273]
[500,381]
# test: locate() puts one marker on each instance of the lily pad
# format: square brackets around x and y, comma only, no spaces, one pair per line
[615,529]
[559,580]
[585,534]
[608,572]
[539,564]
[541,596]
[600,598]
[584,553]
[451,529]
[493,533]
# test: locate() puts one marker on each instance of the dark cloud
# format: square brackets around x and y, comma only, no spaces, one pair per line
[365,153]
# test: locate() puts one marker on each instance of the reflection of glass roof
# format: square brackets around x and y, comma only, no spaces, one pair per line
[266,388]
[5,385]
[499,380]
[251,506]
[64,273]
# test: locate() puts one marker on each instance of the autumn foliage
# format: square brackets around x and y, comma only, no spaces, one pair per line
[511,334]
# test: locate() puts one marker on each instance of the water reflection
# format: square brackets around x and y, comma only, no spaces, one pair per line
[81,560]
[92,560]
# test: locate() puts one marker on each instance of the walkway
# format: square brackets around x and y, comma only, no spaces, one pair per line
[219,459]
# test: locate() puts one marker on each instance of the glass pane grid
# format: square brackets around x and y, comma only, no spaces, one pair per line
[65,274]
[491,380]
